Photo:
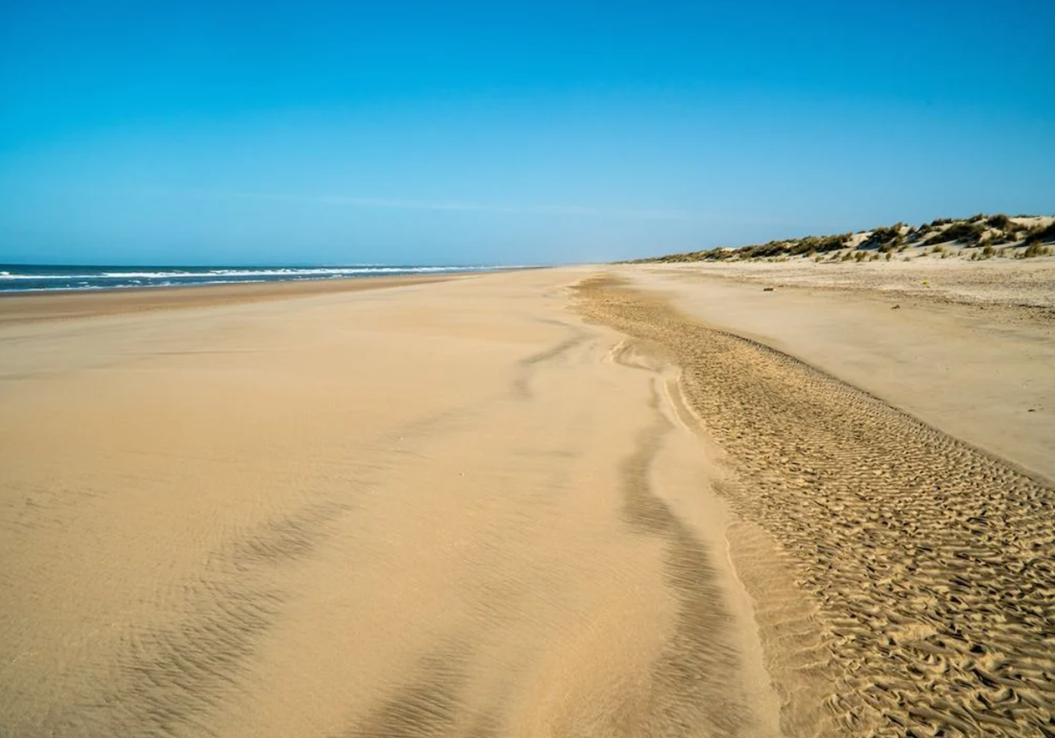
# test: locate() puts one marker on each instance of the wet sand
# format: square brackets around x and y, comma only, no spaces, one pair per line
[18,307]
[516,504]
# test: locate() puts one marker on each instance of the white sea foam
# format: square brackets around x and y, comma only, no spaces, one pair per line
[83,278]
[263,272]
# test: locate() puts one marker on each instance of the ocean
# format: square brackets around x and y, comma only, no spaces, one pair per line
[33,277]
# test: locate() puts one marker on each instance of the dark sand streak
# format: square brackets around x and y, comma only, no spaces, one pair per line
[427,706]
[171,680]
[527,366]
[694,676]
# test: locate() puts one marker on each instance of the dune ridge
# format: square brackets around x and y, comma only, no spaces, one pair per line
[978,238]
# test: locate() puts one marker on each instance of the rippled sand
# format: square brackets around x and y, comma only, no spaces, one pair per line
[425,510]
[525,504]
[930,565]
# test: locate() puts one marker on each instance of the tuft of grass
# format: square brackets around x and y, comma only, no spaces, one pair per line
[917,234]
[966,232]
[884,238]
[1036,249]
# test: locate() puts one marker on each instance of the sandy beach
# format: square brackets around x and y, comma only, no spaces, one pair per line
[591,501]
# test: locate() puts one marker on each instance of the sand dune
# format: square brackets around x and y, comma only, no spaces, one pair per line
[500,505]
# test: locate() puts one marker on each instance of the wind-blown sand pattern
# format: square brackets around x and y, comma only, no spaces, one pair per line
[440,509]
[965,347]
[462,509]
[932,562]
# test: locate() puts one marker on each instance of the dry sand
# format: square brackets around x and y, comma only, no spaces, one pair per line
[970,347]
[524,504]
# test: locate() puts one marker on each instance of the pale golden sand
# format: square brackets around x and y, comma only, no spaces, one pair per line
[924,570]
[501,505]
[408,511]
[969,348]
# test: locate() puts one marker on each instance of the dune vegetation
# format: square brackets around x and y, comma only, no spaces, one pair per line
[977,238]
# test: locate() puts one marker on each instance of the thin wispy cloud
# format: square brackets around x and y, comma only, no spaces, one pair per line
[460,206]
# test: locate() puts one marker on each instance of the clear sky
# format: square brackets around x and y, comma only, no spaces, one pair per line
[267,132]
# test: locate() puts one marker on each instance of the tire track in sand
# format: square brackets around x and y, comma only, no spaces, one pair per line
[932,563]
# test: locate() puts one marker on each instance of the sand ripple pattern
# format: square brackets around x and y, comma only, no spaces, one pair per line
[932,562]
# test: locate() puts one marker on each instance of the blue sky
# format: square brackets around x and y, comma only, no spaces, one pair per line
[313,132]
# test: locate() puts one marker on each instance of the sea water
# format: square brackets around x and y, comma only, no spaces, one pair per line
[30,277]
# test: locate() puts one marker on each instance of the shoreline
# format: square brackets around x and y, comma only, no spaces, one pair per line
[19,306]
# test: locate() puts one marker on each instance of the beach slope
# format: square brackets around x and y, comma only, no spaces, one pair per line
[548,503]
[442,509]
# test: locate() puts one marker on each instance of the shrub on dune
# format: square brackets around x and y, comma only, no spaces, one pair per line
[1041,234]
